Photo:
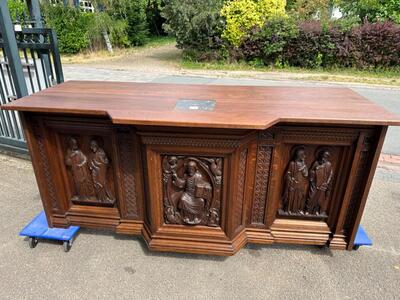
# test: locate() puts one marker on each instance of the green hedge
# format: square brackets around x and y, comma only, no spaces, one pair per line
[313,44]
[71,26]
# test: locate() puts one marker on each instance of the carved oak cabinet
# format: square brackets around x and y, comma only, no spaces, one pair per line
[205,169]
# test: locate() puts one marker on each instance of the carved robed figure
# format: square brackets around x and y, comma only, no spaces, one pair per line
[321,174]
[98,166]
[78,162]
[296,183]
[89,174]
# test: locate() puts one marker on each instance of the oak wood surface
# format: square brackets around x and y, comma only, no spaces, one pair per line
[205,182]
[244,107]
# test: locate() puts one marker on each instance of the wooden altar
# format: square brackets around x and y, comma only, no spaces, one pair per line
[205,169]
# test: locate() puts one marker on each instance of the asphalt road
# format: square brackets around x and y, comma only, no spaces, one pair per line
[103,265]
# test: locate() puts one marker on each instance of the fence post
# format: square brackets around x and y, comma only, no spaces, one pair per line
[11,51]
[36,16]
[34,12]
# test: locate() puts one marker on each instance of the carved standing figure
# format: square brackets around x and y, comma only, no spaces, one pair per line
[78,162]
[196,192]
[296,183]
[98,167]
[321,174]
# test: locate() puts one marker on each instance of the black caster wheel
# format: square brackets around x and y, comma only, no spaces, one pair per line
[67,246]
[33,242]
[356,247]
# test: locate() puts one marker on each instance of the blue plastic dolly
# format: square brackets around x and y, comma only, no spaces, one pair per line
[39,229]
[361,239]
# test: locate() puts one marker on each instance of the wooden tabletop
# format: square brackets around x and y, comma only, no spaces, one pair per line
[246,107]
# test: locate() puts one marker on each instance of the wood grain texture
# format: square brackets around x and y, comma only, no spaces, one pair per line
[243,107]
[207,182]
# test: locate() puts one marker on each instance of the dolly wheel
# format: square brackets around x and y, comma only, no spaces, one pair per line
[67,246]
[356,247]
[33,242]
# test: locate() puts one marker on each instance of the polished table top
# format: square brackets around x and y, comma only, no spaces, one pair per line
[241,107]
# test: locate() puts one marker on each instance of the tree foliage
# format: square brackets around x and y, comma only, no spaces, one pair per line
[17,8]
[196,24]
[311,9]
[71,26]
[133,13]
[243,15]
[372,10]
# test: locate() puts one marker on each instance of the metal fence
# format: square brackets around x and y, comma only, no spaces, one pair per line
[29,62]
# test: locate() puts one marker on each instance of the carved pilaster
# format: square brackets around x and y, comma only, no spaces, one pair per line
[264,154]
[127,155]
[45,167]
[240,187]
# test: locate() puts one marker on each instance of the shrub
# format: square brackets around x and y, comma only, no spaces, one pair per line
[70,25]
[269,42]
[375,45]
[243,15]
[17,8]
[137,29]
[311,44]
[311,47]
[196,24]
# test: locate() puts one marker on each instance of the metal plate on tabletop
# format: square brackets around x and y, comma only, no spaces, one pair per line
[195,105]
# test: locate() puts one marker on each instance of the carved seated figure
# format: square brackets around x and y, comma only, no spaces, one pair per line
[197,192]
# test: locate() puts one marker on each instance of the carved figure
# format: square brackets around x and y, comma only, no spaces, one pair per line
[98,166]
[78,162]
[196,192]
[213,219]
[321,174]
[296,183]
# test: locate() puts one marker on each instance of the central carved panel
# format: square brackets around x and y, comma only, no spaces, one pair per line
[192,190]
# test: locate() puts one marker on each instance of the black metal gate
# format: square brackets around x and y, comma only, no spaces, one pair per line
[29,62]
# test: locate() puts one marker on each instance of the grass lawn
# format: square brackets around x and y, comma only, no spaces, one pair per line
[119,53]
[372,76]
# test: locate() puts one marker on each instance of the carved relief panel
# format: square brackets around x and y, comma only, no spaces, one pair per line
[192,190]
[90,170]
[307,182]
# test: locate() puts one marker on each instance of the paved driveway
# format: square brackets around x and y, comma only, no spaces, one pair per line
[103,265]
